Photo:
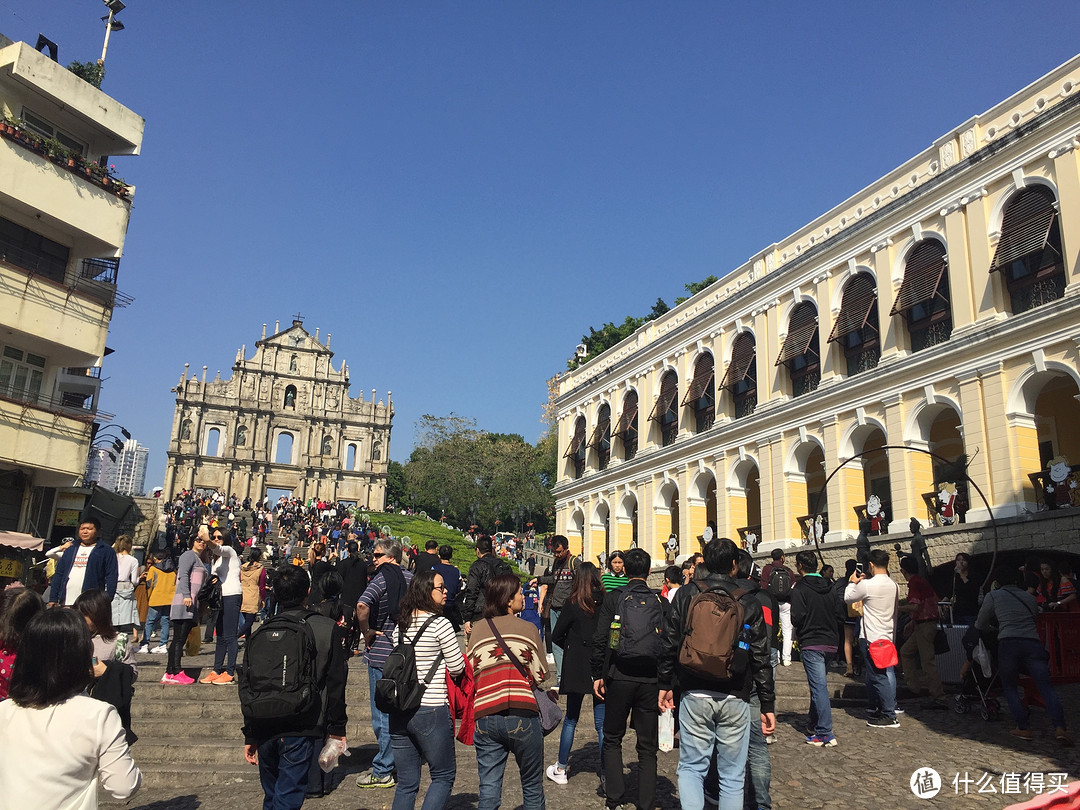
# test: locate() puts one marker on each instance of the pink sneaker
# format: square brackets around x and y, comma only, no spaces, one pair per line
[167,678]
[183,679]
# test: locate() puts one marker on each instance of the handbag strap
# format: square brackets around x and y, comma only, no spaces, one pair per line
[1034,613]
[510,654]
[402,638]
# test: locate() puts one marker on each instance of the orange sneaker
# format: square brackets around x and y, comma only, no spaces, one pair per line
[224,679]
[211,678]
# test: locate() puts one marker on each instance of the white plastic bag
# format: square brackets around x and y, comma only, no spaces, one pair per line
[328,757]
[667,730]
[982,658]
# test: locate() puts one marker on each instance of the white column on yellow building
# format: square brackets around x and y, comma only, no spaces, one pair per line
[1067,176]
[735,497]
[765,337]
[959,266]
[845,489]
[910,472]
[823,297]
[771,475]
[883,255]
[1013,441]
[987,290]
[794,490]
[694,517]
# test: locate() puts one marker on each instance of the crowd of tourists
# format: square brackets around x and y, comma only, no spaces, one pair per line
[467,657]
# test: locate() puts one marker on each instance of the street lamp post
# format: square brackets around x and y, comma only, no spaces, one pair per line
[111,24]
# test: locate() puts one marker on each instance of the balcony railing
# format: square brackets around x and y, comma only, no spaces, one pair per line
[97,278]
[93,371]
[37,262]
[57,405]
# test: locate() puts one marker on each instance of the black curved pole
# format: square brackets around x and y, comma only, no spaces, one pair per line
[882,449]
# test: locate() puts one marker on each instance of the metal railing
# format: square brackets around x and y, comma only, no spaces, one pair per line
[56,405]
[35,261]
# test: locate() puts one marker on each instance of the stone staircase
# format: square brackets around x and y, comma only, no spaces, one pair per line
[189,736]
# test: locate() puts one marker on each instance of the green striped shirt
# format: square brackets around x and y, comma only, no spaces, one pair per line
[612,581]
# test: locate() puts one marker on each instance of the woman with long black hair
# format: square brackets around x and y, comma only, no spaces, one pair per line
[191,571]
[574,633]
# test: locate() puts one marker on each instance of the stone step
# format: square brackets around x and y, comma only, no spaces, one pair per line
[184,776]
[223,748]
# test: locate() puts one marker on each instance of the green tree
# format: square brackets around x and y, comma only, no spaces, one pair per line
[395,483]
[473,475]
[694,287]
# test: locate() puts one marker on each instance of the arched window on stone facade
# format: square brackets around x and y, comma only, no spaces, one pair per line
[627,426]
[284,451]
[741,375]
[923,297]
[350,457]
[213,441]
[800,354]
[856,326]
[576,451]
[701,393]
[290,397]
[327,446]
[1029,252]
[601,437]
[666,410]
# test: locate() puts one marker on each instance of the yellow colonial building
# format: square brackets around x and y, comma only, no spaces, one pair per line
[927,326]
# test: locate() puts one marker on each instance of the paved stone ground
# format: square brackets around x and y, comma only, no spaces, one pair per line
[870,768]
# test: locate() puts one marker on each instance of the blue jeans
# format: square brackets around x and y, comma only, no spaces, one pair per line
[283,771]
[383,763]
[758,764]
[708,724]
[1016,654]
[496,736]
[426,734]
[569,726]
[880,684]
[228,627]
[556,650]
[155,618]
[820,708]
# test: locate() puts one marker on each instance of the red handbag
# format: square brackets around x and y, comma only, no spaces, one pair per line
[883,653]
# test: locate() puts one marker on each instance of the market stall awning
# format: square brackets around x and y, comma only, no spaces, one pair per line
[20,540]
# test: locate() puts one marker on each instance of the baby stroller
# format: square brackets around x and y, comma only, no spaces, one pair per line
[981,677]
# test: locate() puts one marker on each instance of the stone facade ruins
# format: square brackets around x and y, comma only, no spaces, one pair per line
[284,420]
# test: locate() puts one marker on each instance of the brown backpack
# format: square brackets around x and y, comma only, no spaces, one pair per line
[712,633]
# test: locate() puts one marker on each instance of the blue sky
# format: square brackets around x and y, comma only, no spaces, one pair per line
[458,190]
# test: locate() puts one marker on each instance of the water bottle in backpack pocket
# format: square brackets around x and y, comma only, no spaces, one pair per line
[716,638]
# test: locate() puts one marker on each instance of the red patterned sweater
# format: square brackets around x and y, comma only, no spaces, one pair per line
[499,686]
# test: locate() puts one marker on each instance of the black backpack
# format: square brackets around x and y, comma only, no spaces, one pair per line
[780,583]
[642,616]
[279,681]
[400,689]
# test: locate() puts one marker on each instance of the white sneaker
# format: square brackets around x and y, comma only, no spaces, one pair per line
[556,775]
[160,650]
[145,648]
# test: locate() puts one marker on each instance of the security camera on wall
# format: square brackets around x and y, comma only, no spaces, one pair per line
[582,350]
